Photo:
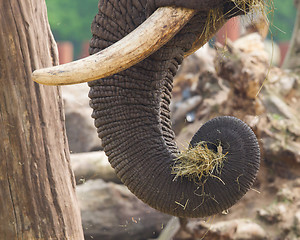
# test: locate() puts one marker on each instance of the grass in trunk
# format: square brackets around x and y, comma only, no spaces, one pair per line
[199,163]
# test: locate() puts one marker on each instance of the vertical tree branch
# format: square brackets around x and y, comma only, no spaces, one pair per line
[37,188]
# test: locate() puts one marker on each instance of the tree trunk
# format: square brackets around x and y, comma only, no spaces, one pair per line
[37,187]
[291,60]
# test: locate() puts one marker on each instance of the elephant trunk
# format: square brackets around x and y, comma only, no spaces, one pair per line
[133,120]
[131,111]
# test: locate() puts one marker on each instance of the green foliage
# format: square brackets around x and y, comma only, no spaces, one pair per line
[282,21]
[71,19]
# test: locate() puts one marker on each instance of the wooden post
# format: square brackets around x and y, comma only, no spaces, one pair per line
[37,188]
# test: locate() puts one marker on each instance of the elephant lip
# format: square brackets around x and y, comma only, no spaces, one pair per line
[158,29]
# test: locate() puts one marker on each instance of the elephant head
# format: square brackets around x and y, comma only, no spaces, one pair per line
[131,101]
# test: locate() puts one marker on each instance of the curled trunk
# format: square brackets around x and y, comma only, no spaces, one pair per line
[131,111]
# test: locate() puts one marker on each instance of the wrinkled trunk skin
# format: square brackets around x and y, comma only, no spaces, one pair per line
[131,111]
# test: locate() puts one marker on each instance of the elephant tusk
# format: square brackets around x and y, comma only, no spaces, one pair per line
[157,30]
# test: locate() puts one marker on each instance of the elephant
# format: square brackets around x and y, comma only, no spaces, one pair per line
[132,116]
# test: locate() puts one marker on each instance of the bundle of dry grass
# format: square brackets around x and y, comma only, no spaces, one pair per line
[254,7]
[216,18]
[199,162]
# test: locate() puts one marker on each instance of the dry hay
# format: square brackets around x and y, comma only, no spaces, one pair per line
[216,17]
[199,162]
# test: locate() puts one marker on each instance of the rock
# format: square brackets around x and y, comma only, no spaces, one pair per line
[181,111]
[92,165]
[276,105]
[285,195]
[273,214]
[282,81]
[282,155]
[252,44]
[274,52]
[238,229]
[247,230]
[111,211]
[81,132]
[194,65]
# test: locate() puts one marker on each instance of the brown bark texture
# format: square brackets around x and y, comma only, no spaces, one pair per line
[37,187]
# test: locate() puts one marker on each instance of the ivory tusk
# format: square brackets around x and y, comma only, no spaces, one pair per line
[158,29]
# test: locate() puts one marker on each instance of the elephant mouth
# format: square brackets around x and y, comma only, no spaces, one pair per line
[157,30]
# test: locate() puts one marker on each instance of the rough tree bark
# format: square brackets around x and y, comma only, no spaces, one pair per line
[291,60]
[37,187]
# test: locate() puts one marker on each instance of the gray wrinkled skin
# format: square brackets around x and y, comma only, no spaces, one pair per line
[132,116]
